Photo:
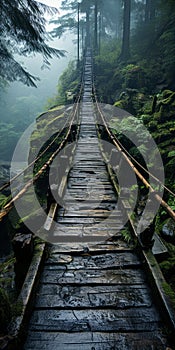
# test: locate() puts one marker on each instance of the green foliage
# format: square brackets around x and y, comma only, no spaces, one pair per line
[133,76]
[23,31]
[8,139]
[170,293]
[5,310]
[105,71]
[126,234]
[153,44]
[110,11]
[168,268]
[127,129]
[3,200]
[68,86]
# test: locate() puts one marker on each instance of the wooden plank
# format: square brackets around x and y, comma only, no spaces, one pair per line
[108,246]
[79,232]
[106,277]
[91,190]
[78,228]
[82,182]
[95,197]
[93,212]
[66,228]
[78,297]
[107,261]
[75,187]
[88,220]
[132,319]
[91,203]
[95,341]
[84,239]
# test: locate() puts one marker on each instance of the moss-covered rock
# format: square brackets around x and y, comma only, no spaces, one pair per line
[47,125]
[158,115]
[133,101]
[168,266]
[168,230]
[134,76]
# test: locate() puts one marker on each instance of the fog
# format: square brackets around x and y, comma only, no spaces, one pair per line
[46,87]
[20,104]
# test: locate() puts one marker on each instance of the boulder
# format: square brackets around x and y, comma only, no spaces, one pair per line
[168,230]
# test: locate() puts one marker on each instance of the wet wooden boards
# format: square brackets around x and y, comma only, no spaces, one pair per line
[92,296]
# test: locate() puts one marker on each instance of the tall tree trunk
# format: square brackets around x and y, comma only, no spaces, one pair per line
[149,10]
[78,35]
[125,53]
[96,28]
[118,21]
[100,33]
[87,28]
[82,37]
[152,10]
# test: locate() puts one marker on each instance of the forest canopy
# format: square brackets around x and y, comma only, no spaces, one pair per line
[133,43]
[22,27]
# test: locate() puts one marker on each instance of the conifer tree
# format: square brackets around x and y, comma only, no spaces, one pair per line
[125,53]
[22,27]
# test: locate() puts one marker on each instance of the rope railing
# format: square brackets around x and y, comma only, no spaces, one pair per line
[7,184]
[143,168]
[125,155]
[74,119]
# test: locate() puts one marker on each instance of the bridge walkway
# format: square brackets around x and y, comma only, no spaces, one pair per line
[93,293]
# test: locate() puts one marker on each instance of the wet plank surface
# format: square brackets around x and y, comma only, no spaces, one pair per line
[90,277]
[92,296]
[105,320]
[95,341]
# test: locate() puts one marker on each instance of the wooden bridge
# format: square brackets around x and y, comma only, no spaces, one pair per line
[95,290]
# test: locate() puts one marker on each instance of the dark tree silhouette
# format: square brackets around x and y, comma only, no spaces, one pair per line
[22,27]
[125,53]
[150,10]
[99,19]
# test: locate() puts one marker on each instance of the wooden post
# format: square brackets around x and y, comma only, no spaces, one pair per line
[23,246]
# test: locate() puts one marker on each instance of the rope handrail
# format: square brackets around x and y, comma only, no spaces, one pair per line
[140,165]
[6,209]
[143,168]
[7,184]
[145,182]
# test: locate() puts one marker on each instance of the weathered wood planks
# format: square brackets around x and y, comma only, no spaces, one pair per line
[92,296]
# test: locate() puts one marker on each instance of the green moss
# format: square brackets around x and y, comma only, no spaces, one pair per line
[166,93]
[170,293]
[168,266]
[120,104]
[36,135]
[56,108]
[169,100]
[17,308]
[54,120]
[5,310]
